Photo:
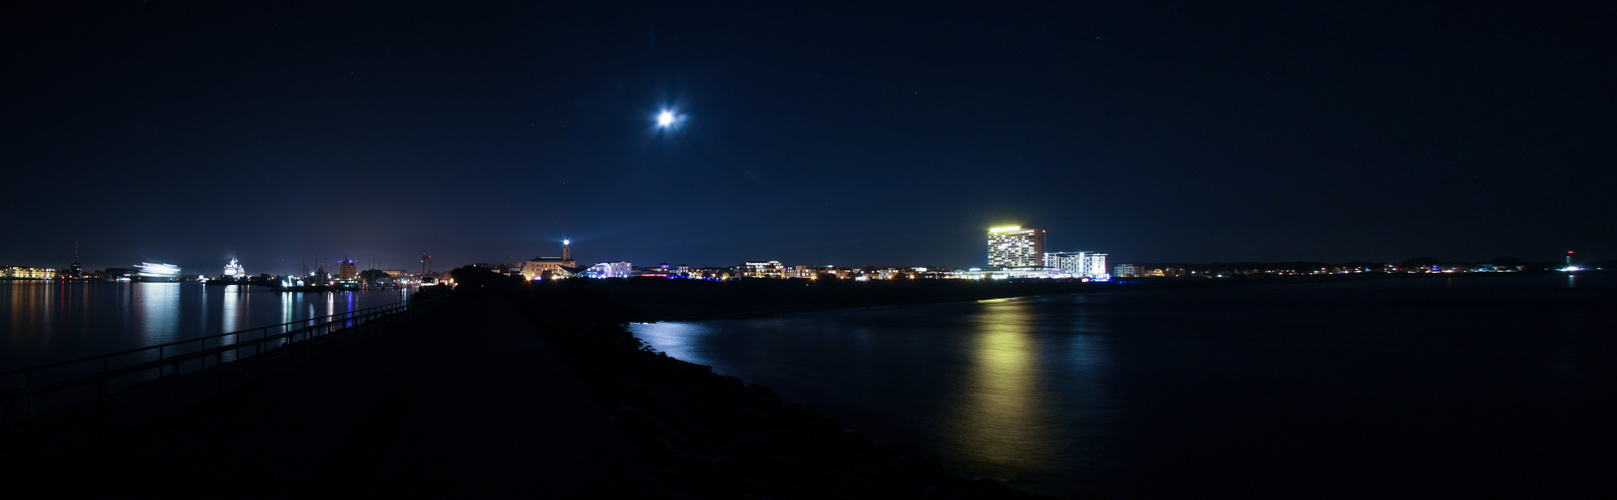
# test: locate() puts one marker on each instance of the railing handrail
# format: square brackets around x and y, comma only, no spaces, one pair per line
[87,359]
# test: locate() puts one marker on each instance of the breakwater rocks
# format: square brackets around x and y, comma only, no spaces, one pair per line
[713,436]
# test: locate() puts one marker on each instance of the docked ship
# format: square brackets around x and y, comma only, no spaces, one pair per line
[157,272]
[234,271]
[233,274]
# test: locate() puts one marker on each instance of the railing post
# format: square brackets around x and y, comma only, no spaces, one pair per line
[174,386]
[219,370]
[101,410]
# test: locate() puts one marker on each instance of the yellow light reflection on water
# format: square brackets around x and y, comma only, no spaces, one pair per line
[29,331]
[1000,420]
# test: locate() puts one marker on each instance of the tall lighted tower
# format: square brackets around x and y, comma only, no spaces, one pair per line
[1014,246]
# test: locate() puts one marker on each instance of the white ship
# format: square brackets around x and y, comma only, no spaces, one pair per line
[234,270]
[157,272]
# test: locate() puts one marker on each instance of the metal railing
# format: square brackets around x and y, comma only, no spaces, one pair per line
[93,379]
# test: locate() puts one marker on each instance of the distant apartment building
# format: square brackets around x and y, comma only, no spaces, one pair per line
[1078,264]
[932,272]
[347,269]
[1127,271]
[1014,246]
[805,272]
[1093,265]
[27,273]
[1066,262]
[889,272]
[712,273]
[833,272]
[665,271]
[761,269]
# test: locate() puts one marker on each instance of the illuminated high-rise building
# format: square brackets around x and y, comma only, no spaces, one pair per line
[1014,246]
[1092,265]
[1070,263]
[347,270]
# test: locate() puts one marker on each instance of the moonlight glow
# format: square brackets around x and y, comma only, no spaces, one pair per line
[668,119]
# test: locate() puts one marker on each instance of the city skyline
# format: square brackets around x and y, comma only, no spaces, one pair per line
[1008,247]
[1004,239]
[845,134]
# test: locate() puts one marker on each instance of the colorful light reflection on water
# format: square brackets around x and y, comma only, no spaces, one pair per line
[49,321]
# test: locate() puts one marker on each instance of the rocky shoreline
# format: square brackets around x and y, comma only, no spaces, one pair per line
[712,436]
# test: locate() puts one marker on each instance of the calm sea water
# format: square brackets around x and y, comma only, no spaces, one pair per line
[48,321]
[1473,386]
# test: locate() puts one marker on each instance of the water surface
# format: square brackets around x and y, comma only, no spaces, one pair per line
[1414,387]
[49,321]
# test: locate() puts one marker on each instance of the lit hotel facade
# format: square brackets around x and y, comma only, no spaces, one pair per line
[1078,264]
[1015,246]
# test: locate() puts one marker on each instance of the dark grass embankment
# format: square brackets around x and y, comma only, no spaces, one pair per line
[714,436]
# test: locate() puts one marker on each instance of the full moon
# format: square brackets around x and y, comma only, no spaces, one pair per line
[665,119]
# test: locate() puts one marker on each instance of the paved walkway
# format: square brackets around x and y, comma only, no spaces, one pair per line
[464,401]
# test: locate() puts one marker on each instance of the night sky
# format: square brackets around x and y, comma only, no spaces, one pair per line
[849,134]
